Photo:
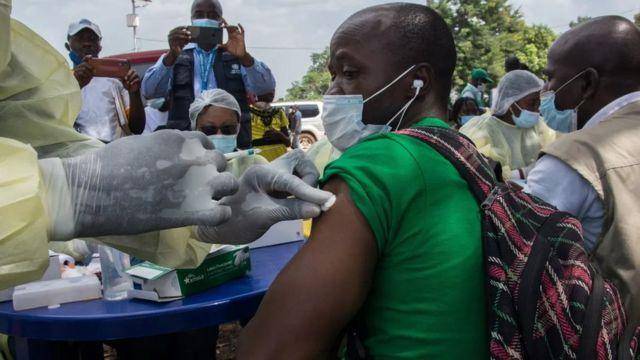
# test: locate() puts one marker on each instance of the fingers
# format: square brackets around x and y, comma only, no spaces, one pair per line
[202,138]
[241,28]
[216,158]
[294,209]
[223,184]
[215,216]
[232,29]
[297,162]
[273,180]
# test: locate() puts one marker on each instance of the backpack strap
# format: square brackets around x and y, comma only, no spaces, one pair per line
[462,154]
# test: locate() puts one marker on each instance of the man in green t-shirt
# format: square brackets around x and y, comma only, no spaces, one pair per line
[399,254]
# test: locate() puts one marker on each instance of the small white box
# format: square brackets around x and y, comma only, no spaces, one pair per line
[280,233]
[55,292]
[52,272]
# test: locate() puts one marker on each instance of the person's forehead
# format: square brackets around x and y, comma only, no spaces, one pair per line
[84,33]
[365,33]
[205,5]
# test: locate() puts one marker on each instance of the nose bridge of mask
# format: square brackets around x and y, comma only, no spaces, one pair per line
[390,84]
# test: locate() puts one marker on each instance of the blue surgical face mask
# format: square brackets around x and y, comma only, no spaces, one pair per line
[342,117]
[465,119]
[560,120]
[205,23]
[527,119]
[224,143]
[75,58]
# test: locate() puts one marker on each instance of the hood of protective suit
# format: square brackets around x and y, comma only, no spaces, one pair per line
[39,97]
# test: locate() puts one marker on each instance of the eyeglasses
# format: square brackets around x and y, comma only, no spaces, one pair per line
[224,129]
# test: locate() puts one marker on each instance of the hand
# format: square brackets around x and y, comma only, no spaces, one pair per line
[178,38]
[235,45]
[83,72]
[144,183]
[255,211]
[132,81]
[272,135]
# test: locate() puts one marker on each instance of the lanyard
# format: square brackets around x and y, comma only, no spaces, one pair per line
[206,64]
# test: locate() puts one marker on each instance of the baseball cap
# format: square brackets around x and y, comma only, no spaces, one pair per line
[481,74]
[75,27]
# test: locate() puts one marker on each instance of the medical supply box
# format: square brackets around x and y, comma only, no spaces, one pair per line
[157,283]
[52,293]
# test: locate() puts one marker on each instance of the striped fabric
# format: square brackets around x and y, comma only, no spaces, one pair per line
[545,298]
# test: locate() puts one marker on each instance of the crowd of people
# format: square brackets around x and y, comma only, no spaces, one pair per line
[396,248]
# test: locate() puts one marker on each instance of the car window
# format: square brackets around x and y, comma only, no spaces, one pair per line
[309,110]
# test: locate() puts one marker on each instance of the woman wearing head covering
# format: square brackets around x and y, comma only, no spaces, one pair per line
[512,133]
[216,113]
[463,110]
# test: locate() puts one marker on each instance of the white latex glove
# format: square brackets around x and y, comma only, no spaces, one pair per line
[255,211]
[138,184]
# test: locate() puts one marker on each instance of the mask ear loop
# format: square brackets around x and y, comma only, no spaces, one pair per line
[404,109]
[389,84]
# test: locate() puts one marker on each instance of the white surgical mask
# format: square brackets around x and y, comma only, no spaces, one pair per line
[482,87]
[527,119]
[224,143]
[205,23]
[565,121]
[342,117]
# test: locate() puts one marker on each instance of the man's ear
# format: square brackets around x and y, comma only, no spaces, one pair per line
[66,46]
[425,74]
[591,83]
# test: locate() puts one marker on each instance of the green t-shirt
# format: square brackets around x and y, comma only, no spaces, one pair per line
[427,299]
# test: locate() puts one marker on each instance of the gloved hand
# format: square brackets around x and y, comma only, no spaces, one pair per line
[138,184]
[255,211]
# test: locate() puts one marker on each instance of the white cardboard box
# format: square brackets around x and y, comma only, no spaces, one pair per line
[280,233]
[52,273]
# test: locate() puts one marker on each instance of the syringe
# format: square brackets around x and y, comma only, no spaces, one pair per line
[241,153]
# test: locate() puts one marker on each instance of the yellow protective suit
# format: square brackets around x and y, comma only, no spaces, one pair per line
[322,153]
[39,100]
[513,147]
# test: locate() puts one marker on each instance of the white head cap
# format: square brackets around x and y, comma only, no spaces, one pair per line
[75,27]
[214,97]
[514,86]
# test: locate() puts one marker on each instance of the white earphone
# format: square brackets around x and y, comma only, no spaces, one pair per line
[417,83]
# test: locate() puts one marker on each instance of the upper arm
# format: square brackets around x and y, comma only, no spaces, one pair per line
[319,291]
[558,184]
[156,80]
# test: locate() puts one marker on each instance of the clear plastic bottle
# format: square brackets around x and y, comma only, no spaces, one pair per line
[115,282]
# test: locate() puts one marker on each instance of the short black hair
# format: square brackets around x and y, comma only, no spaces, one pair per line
[512,63]
[424,37]
[457,107]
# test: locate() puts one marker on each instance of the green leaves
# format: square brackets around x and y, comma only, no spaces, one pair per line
[485,31]
[315,82]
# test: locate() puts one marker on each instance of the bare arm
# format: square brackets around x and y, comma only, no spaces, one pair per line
[319,291]
[137,117]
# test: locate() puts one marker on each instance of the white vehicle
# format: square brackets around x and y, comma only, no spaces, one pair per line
[312,129]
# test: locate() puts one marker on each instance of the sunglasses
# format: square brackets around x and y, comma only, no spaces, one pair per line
[224,129]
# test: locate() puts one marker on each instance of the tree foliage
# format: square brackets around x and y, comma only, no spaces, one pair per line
[579,21]
[485,32]
[315,82]
[488,31]
[636,19]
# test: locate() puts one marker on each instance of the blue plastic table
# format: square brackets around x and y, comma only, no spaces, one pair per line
[100,320]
